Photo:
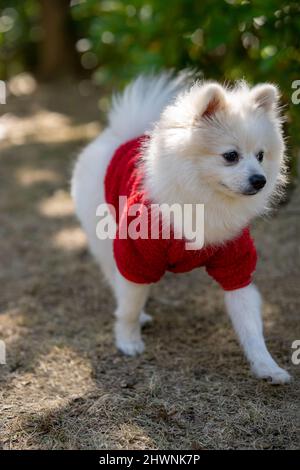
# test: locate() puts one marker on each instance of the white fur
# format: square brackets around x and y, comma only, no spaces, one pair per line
[190,128]
[183,160]
[131,299]
[244,309]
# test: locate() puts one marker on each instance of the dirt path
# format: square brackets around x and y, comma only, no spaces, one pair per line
[64,385]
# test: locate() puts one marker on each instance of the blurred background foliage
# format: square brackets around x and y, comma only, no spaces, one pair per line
[110,41]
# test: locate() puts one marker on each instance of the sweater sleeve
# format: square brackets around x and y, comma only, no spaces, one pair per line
[140,260]
[232,265]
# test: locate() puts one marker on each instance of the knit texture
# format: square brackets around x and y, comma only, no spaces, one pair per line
[145,260]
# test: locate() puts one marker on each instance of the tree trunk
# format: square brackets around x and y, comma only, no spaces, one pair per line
[57,55]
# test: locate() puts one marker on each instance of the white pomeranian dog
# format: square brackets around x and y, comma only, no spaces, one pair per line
[169,141]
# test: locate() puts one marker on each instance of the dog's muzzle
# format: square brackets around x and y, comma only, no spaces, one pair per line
[256,183]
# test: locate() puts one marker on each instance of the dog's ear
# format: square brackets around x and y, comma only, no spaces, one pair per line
[265,96]
[211,98]
[201,101]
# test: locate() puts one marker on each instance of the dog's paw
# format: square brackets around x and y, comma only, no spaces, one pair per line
[130,347]
[274,374]
[145,318]
[128,339]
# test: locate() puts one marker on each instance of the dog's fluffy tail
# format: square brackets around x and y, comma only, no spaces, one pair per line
[136,110]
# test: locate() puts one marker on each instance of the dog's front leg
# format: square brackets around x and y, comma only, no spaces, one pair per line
[244,308]
[131,299]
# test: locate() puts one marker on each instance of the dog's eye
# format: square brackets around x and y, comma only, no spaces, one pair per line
[231,157]
[260,156]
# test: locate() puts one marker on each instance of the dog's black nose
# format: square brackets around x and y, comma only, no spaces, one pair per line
[257,181]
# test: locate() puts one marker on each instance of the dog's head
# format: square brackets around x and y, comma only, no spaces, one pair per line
[228,141]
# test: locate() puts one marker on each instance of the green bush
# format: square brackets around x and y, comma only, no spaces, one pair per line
[258,41]
[226,40]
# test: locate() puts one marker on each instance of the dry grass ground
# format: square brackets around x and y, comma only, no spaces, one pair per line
[64,385]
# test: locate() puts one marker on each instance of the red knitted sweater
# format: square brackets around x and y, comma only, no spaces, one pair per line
[146,260]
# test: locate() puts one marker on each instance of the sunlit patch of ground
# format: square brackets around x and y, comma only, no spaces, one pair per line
[70,239]
[29,176]
[64,385]
[44,126]
[57,205]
